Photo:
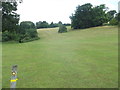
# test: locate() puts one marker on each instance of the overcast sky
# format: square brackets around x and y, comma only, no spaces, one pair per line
[56,10]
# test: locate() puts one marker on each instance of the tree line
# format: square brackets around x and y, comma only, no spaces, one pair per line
[85,16]
[11,29]
[45,24]
[26,30]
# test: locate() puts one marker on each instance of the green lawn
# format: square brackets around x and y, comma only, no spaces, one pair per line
[86,58]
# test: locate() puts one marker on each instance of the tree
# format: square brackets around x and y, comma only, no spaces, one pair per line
[115,20]
[51,25]
[99,15]
[41,24]
[111,14]
[10,19]
[88,16]
[59,22]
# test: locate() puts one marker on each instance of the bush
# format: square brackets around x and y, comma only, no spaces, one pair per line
[27,25]
[7,36]
[27,32]
[114,22]
[30,35]
[28,39]
[62,29]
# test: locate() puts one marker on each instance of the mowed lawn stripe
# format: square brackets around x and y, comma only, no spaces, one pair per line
[84,58]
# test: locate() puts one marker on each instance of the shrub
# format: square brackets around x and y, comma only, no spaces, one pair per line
[27,25]
[30,35]
[114,22]
[62,29]
[27,32]
[7,36]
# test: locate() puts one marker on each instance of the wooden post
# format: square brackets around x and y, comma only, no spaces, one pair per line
[14,79]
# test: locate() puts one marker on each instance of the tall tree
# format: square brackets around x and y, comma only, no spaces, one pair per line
[88,16]
[10,18]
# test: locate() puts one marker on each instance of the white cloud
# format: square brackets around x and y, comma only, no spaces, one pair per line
[55,10]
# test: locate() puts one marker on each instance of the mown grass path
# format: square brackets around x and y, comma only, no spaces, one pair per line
[76,59]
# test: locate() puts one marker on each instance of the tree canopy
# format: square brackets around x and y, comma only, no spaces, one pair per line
[88,16]
[42,24]
[10,18]
[111,14]
[11,30]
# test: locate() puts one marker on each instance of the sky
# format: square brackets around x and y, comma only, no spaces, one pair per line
[56,10]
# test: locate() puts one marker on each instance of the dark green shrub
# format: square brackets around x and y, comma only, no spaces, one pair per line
[27,32]
[30,35]
[7,36]
[62,29]
[28,39]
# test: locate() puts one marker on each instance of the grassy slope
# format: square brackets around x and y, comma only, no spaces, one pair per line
[81,58]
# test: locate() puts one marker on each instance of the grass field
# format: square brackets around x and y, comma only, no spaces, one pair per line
[86,58]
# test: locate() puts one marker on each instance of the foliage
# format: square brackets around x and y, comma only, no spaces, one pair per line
[111,14]
[26,25]
[7,36]
[62,28]
[44,24]
[10,19]
[114,22]
[52,25]
[59,23]
[88,16]
[115,19]
[67,24]
[118,18]
[41,24]
[10,28]
[27,31]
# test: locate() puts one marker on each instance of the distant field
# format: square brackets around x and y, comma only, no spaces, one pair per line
[86,58]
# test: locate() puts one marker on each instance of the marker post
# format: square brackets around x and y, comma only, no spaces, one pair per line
[14,79]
